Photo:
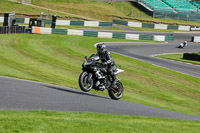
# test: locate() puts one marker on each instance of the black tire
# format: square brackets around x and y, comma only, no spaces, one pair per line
[116,94]
[83,82]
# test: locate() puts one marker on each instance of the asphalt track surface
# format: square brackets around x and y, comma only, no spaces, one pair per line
[146,53]
[17,94]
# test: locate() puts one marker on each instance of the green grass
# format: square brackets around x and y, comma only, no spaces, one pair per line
[49,121]
[27,11]
[93,9]
[57,59]
[177,57]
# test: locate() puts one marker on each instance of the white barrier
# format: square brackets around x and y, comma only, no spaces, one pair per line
[160,26]
[159,38]
[132,36]
[44,30]
[63,22]
[187,28]
[75,32]
[26,21]
[91,23]
[135,24]
[105,34]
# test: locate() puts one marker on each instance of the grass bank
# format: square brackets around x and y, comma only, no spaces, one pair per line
[106,11]
[177,57]
[93,9]
[27,11]
[57,59]
[8,6]
[99,10]
[49,121]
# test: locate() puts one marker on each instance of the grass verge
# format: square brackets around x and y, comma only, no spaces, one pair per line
[57,59]
[49,121]
[177,57]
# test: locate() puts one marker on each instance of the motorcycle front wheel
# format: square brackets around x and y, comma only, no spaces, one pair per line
[116,93]
[84,84]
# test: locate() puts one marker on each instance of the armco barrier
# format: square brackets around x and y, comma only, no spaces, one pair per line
[12,29]
[119,35]
[135,24]
[107,24]
[90,33]
[146,25]
[172,27]
[59,31]
[169,38]
[120,22]
[77,23]
[22,20]
[68,22]
[42,30]
[154,26]
[160,26]
[147,37]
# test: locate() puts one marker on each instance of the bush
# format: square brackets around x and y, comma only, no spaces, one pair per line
[192,56]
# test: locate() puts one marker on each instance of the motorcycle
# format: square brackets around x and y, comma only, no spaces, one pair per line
[182,45]
[95,76]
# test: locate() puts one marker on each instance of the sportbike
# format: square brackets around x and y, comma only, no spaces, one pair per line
[95,76]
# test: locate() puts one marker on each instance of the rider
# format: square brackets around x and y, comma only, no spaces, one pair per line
[183,44]
[107,61]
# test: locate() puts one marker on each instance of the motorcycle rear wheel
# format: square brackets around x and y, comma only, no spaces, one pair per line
[84,84]
[116,94]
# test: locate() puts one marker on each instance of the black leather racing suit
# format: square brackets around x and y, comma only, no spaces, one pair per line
[108,62]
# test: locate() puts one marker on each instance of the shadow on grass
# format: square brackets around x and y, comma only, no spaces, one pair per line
[74,91]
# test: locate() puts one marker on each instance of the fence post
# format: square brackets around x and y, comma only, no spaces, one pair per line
[53,23]
[6,15]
